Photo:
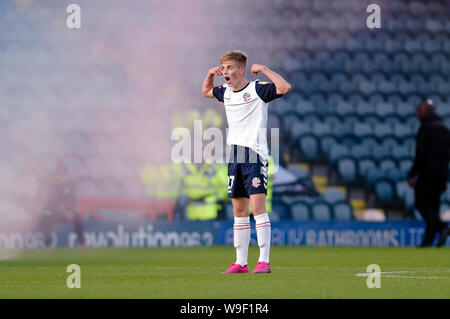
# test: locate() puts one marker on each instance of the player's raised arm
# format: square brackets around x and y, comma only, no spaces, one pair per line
[281,84]
[208,84]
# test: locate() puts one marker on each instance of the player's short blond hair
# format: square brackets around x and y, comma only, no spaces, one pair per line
[234,55]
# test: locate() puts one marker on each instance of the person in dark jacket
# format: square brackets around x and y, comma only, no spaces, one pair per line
[431,167]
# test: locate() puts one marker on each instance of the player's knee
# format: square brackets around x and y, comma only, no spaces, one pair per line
[240,212]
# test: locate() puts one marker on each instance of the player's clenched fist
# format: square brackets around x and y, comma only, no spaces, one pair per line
[216,71]
[256,68]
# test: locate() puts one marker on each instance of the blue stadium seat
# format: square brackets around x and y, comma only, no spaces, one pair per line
[347,169]
[356,99]
[304,107]
[344,109]
[273,120]
[320,129]
[376,99]
[387,162]
[402,188]
[393,119]
[364,109]
[400,60]
[369,142]
[350,121]
[333,196]
[326,143]
[412,46]
[337,79]
[229,211]
[371,177]
[311,119]
[434,25]
[371,120]
[342,211]
[399,7]
[418,63]
[320,103]
[414,100]
[412,121]
[401,151]
[367,87]
[383,110]
[405,110]
[299,172]
[274,215]
[309,147]
[379,152]
[409,201]
[360,150]
[321,211]
[438,63]
[337,152]
[301,211]
[405,163]
[280,211]
[402,131]
[381,59]
[331,120]
[298,130]
[382,131]
[361,130]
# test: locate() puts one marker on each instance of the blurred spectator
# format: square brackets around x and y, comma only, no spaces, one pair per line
[199,190]
[60,205]
[431,167]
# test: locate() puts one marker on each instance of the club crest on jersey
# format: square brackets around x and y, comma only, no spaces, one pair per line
[247,97]
[256,182]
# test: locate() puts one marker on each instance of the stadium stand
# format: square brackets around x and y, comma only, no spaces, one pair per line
[351,109]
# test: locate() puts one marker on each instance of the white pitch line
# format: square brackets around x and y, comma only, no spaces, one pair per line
[413,277]
[388,274]
[366,274]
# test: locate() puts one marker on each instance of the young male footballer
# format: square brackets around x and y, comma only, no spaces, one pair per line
[246,110]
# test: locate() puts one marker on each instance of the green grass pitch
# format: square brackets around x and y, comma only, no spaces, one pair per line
[194,273]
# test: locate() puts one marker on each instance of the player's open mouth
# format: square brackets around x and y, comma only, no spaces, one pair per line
[227,78]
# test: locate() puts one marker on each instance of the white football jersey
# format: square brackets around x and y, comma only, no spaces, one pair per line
[246,112]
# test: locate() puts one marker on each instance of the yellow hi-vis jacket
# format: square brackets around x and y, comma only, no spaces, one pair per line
[197,186]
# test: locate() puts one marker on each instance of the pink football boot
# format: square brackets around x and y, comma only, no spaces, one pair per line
[262,268]
[236,269]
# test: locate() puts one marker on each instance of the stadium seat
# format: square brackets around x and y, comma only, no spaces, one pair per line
[229,211]
[371,120]
[280,210]
[385,190]
[298,171]
[366,164]
[364,109]
[342,211]
[309,147]
[405,163]
[330,120]
[275,216]
[387,162]
[321,211]
[347,169]
[304,107]
[300,211]
[344,109]
[326,143]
